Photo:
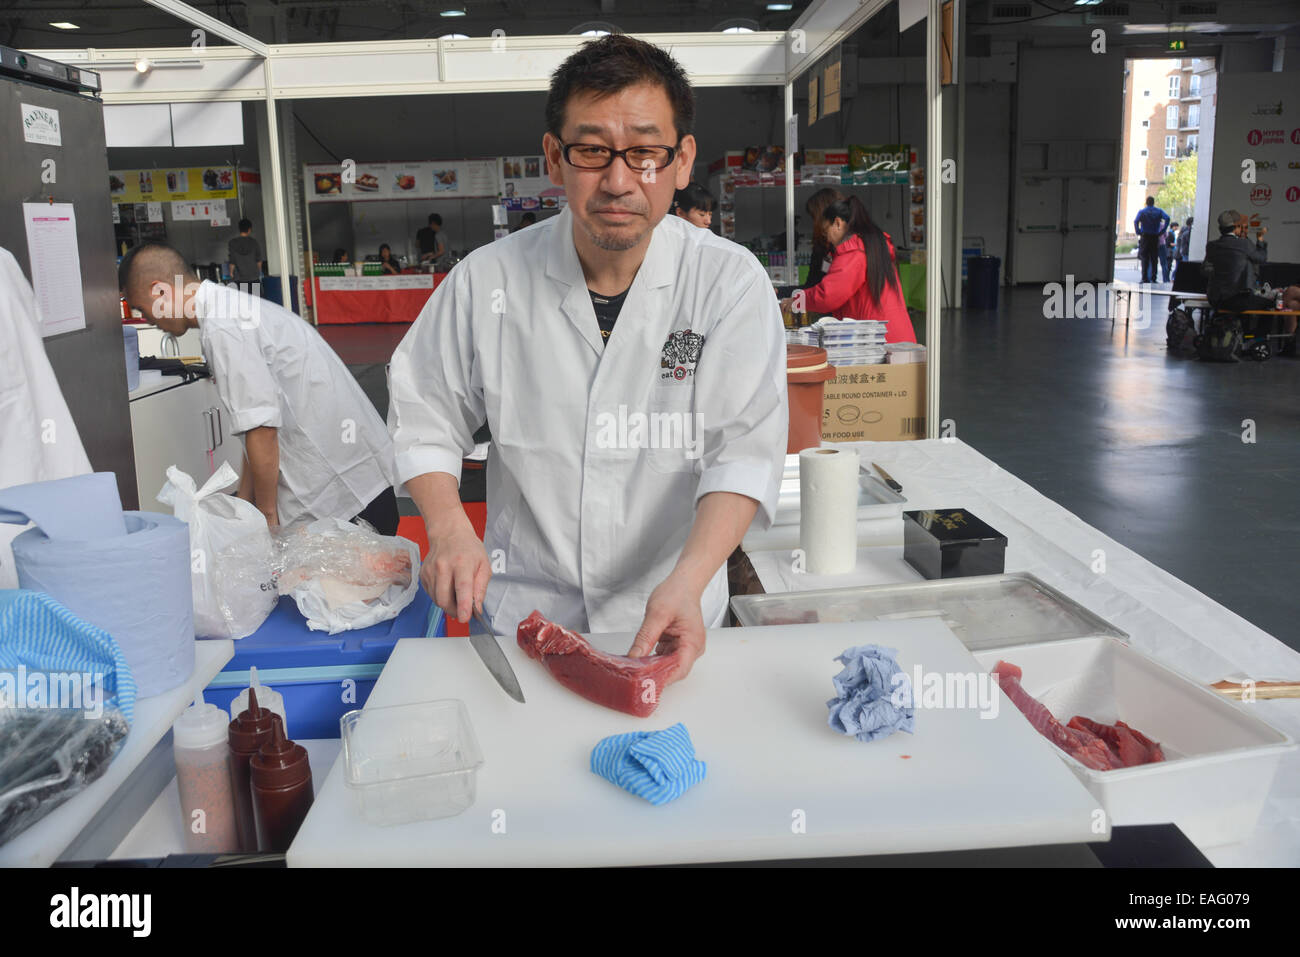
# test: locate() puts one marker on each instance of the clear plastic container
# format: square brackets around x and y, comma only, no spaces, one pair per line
[411,762]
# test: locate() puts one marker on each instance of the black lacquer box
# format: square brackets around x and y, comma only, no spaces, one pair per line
[952,543]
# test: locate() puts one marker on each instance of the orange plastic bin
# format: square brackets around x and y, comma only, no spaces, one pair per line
[807,373]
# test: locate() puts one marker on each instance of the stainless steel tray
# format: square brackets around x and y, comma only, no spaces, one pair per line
[986,611]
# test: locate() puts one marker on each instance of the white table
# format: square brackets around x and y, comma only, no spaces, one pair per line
[1165,617]
[90,825]
[755,707]
[1125,291]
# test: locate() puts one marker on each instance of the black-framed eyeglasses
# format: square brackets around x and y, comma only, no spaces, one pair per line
[638,158]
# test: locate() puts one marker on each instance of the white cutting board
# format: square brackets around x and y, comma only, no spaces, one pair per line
[755,706]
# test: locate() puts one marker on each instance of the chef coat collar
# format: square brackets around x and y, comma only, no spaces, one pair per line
[563,265]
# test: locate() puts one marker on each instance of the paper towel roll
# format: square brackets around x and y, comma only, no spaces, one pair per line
[136,587]
[828,510]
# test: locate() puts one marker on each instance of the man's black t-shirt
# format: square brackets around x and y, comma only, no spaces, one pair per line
[427,239]
[607,310]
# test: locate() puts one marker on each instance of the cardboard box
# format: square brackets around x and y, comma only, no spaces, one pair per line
[878,403]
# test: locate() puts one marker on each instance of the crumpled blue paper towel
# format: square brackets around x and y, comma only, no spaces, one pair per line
[656,765]
[866,693]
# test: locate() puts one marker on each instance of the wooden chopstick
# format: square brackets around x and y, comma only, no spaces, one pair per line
[1261,689]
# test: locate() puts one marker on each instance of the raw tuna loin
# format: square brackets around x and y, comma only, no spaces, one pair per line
[630,685]
[1102,747]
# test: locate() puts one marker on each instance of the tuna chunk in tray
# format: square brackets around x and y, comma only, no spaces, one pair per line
[1102,747]
[630,685]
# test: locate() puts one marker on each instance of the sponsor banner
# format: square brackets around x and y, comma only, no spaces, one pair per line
[1257,119]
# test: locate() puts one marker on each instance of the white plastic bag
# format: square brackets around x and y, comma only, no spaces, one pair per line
[344,577]
[231,553]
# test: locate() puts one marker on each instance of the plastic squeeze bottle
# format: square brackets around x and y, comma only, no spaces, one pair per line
[282,793]
[203,779]
[246,735]
[267,697]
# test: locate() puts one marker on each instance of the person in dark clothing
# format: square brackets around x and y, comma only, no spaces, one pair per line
[431,245]
[389,265]
[245,254]
[1167,250]
[1150,225]
[694,204]
[1231,260]
[1185,240]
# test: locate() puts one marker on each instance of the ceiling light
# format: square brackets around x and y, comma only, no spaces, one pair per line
[452,10]
[142,65]
[454,36]
[738,30]
[64,25]
[780,7]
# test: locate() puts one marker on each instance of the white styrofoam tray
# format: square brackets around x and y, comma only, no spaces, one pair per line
[1219,758]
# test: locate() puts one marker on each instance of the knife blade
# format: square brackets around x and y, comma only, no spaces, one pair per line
[889,480]
[489,650]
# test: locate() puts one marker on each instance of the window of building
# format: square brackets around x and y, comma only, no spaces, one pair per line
[1142,182]
[1194,85]
[1194,115]
[1146,92]
[1171,116]
[1168,171]
[1142,153]
[1174,84]
[1171,146]
[1192,140]
[1146,124]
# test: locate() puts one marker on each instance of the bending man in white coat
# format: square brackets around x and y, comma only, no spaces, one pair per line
[630,366]
[314,445]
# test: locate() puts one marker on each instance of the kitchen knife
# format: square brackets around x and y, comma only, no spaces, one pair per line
[889,480]
[497,664]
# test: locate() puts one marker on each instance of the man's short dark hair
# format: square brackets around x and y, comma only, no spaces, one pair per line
[434,219]
[148,262]
[245,225]
[613,63]
[1151,200]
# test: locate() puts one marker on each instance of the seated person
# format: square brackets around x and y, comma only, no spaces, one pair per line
[694,204]
[389,265]
[341,256]
[1231,259]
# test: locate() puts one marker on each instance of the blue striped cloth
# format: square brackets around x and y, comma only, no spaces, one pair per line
[40,635]
[656,765]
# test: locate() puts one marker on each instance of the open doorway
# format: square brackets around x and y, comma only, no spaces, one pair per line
[1168,118]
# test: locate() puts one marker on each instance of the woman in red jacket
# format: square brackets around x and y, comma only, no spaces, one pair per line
[863,280]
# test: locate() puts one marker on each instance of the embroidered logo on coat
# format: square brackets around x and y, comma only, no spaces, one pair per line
[680,354]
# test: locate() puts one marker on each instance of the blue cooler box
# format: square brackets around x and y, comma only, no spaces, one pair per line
[321,676]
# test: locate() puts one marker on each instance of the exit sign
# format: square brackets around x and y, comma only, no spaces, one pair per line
[1177,45]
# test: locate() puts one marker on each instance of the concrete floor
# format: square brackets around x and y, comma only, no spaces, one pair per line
[1144,446]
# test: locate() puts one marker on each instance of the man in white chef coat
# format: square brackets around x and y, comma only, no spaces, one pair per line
[314,445]
[631,369]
